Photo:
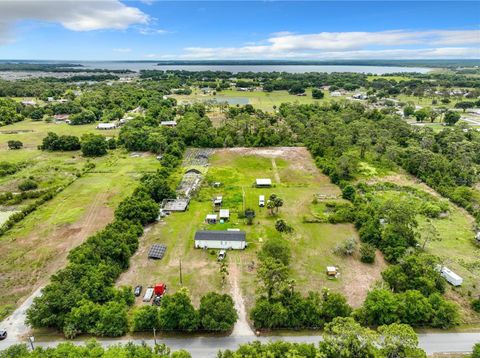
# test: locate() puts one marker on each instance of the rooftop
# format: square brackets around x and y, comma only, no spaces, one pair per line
[222,235]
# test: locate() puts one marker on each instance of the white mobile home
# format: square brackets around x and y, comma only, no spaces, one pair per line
[451,276]
[220,239]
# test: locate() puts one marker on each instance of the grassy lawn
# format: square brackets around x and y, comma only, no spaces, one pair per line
[296,180]
[31,133]
[37,246]
[259,99]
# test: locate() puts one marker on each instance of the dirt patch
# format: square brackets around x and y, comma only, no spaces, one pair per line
[241,328]
[360,277]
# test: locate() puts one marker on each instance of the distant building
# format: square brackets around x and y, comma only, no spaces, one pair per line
[211,219]
[224,214]
[29,103]
[168,123]
[61,117]
[220,239]
[335,94]
[106,126]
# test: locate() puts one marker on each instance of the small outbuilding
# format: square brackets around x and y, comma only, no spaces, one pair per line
[224,214]
[211,219]
[332,271]
[106,126]
[220,239]
[263,183]
[168,123]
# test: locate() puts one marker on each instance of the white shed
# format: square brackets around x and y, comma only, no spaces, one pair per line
[211,219]
[263,183]
[168,123]
[224,214]
[451,276]
[220,239]
[106,126]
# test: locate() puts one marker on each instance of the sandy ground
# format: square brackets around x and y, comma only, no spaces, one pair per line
[241,328]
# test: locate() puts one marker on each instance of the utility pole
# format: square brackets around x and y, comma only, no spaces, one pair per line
[154,336]
[181,279]
[31,339]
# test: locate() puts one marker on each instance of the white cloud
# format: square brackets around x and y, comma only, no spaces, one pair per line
[350,45]
[75,15]
[152,31]
[122,50]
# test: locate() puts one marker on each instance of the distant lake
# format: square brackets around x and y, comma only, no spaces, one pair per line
[137,66]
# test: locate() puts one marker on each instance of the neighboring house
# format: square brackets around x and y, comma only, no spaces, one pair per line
[106,126]
[450,276]
[220,239]
[168,123]
[29,103]
[263,183]
[335,94]
[61,117]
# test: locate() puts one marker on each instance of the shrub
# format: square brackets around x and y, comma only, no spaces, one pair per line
[15,144]
[177,313]
[282,226]
[347,248]
[476,305]
[145,318]
[28,185]
[367,252]
[278,249]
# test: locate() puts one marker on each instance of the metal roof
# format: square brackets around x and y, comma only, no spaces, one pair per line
[222,235]
[264,181]
[224,213]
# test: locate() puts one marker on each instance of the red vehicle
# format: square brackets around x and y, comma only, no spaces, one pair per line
[160,289]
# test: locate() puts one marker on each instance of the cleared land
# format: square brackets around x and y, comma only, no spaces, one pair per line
[38,246]
[297,181]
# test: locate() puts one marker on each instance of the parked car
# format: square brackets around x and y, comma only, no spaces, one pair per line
[3,334]
[157,300]
[221,255]
[138,290]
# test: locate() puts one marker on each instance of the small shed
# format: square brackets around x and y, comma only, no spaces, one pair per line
[217,202]
[220,239]
[224,214]
[451,276]
[263,183]
[332,271]
[106,126]
[211,219]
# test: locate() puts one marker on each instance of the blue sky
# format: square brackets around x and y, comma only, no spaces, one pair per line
[149,30]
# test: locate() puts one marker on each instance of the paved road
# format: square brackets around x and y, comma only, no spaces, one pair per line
[207,347]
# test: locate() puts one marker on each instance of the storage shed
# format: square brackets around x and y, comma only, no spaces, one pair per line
[263,183]
[224,214]
[451,276]
[106,126]
[211,219]
[220,239]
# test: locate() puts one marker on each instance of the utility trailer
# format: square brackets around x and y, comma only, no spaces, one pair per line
[148,294]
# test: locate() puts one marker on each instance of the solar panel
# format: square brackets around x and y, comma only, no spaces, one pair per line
[157,251]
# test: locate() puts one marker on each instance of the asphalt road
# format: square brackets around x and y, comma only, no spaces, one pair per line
[207,347]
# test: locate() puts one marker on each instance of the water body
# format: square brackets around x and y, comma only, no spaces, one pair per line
[137,66]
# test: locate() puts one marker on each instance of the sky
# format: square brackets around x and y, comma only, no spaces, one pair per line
[198,30]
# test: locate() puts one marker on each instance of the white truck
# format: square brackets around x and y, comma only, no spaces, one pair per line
[261,201]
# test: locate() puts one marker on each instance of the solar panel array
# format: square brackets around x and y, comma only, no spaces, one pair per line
[157,251]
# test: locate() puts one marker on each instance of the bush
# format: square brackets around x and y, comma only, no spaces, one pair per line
[15,144]
[177,313]
[138,207]
[347,248]
[476,305]
[367,252]
[282,226]
[217,312]
[145,318]
[94,145]
[53,142]
[28,185]
[278,249]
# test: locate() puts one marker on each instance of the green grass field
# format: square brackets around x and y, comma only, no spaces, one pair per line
[259,99]
[31,133]
[37,246]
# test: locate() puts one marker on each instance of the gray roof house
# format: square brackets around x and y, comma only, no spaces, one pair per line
[220,239]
